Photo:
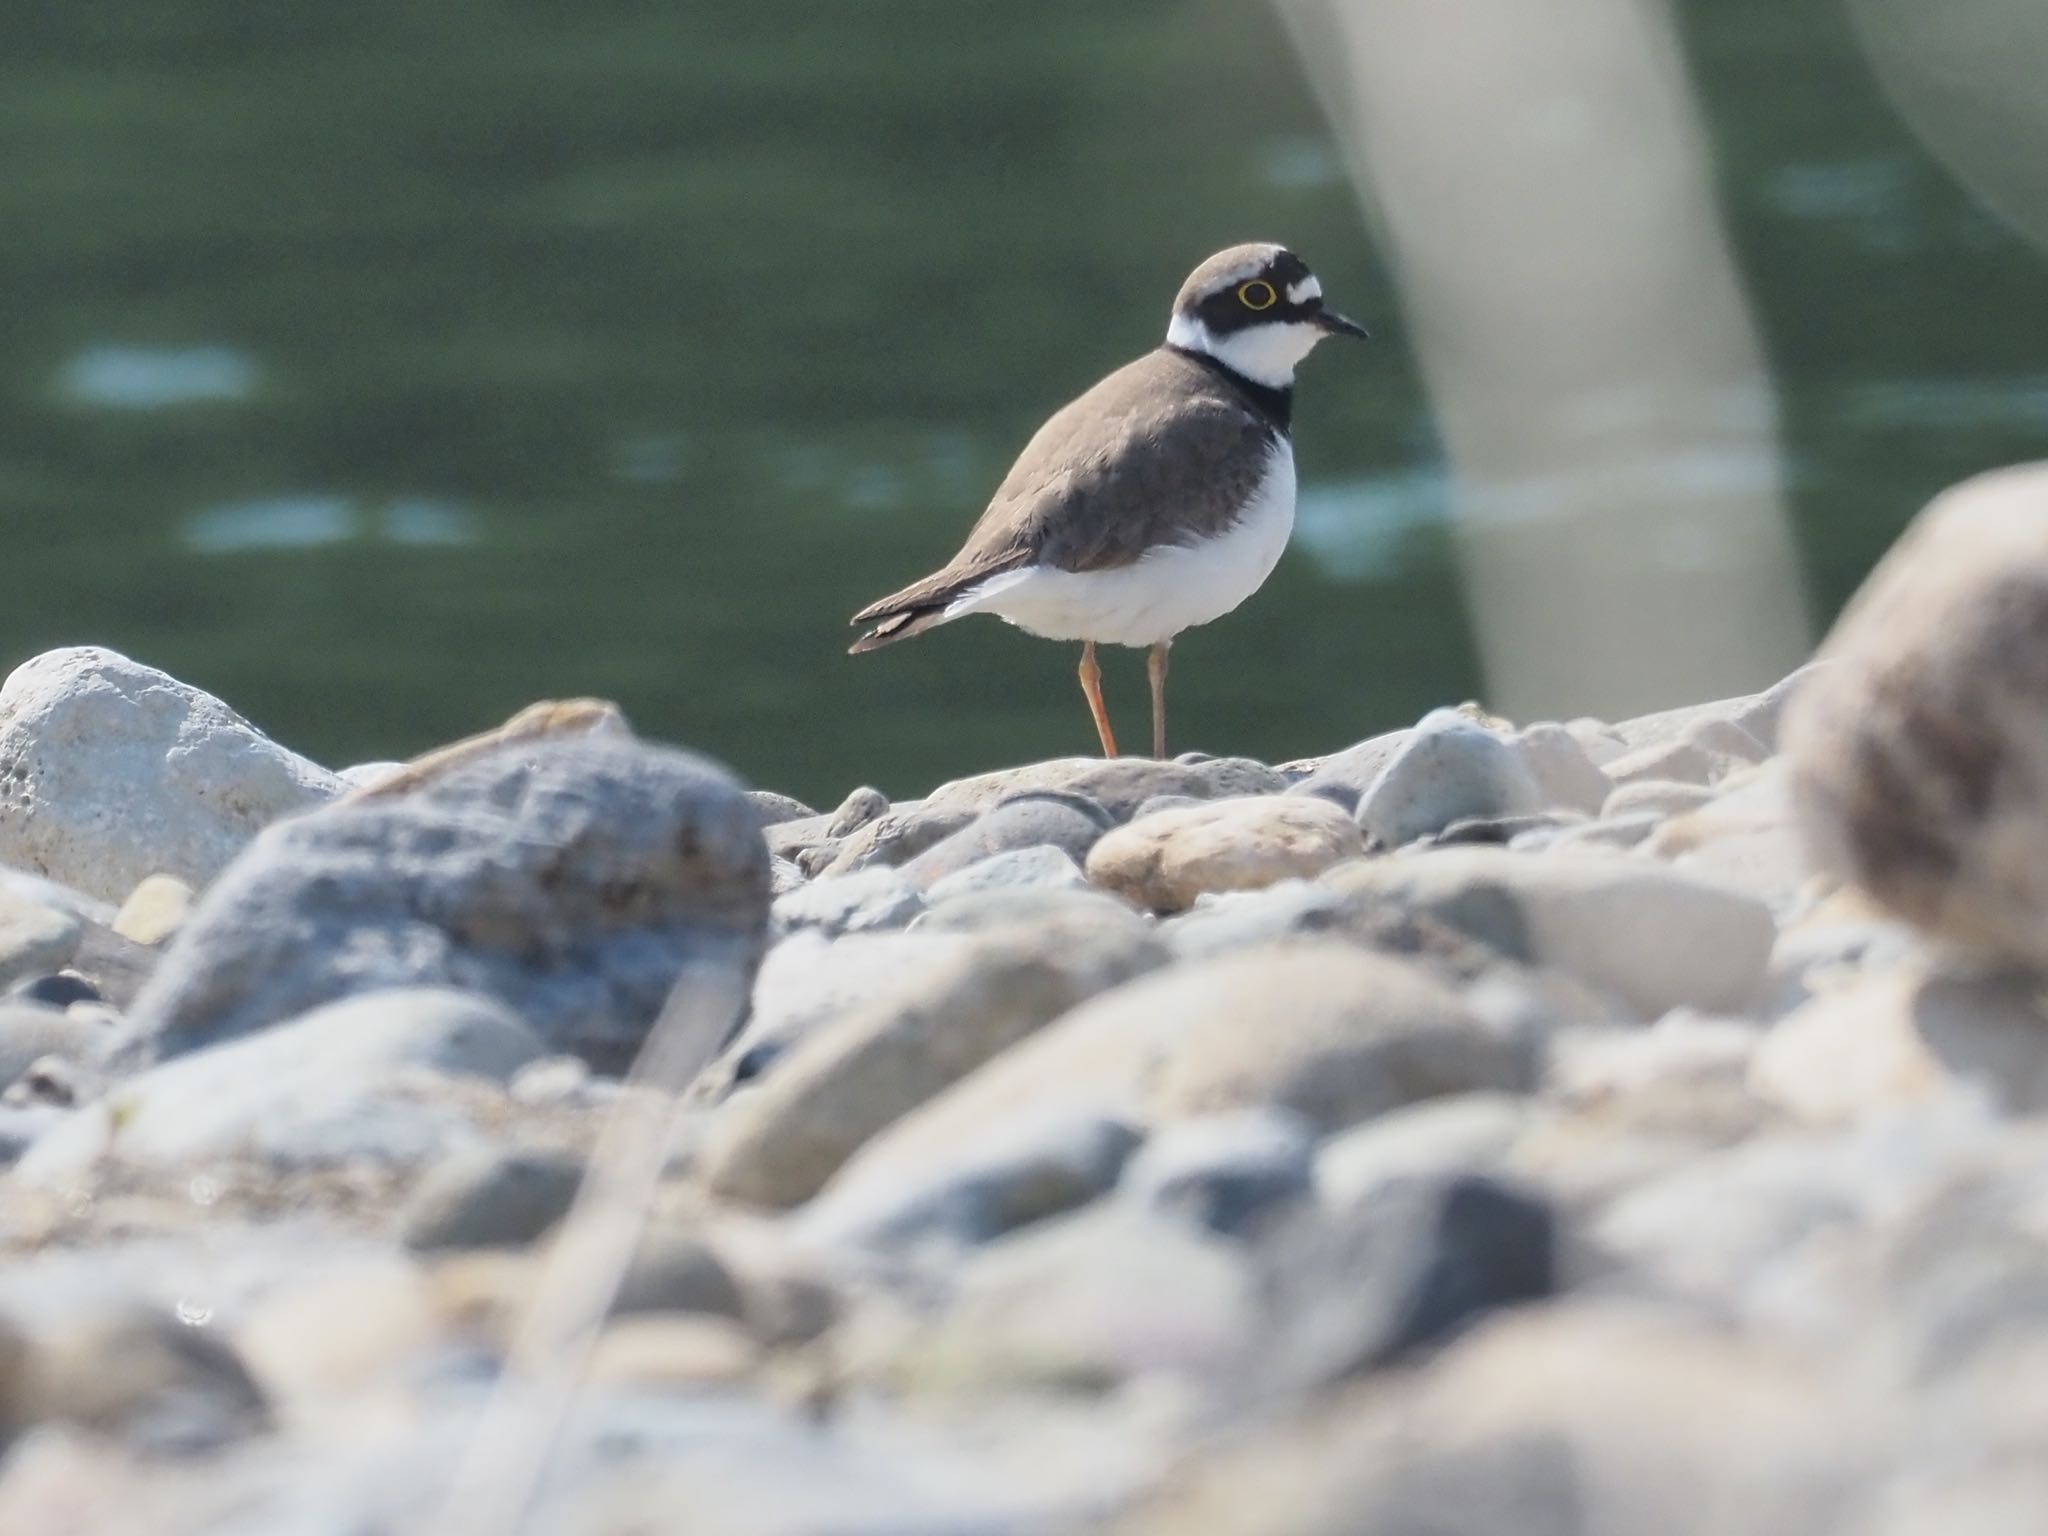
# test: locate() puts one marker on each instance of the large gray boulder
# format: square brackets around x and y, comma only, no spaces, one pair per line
[573,880]
[111,771]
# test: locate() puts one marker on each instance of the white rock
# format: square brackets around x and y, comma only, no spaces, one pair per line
[1743,838]
[1678,761]
[1448,768]
[326,1088]
[1830,948]
[1043,868]
[1653,937]
[1230,1173]
[1111,1292]
[29,1034]
[1598,740]
[111,771]
[1902,1038]
[1470,1132]
[868,901]
[1757,714]
[34,938]
[808,980]
[1566,776]
[1666,797]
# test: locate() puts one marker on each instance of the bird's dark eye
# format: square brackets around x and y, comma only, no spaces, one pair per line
[1257,294]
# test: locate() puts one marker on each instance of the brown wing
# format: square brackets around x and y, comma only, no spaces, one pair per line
[1163,451]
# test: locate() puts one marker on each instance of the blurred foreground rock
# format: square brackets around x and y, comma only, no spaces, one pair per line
[571,879]
[1919,758]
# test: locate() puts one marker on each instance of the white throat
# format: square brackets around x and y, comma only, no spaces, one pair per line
[1265,354]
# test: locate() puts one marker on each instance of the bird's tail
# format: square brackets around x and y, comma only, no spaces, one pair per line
[928,603]
[899,626]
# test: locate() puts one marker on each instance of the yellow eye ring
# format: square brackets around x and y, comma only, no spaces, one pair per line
[1257,294]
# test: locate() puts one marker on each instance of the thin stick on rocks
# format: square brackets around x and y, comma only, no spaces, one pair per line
[493,1489]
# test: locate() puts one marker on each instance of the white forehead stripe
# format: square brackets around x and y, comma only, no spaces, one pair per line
[1244,272]
[1301,292]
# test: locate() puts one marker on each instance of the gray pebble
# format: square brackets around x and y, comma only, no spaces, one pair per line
[55,989]
[862,806]
[1041,819]
[677,1272]
[1038,1164]
[1418,1262]
[1448,769]
[490,1198]
[1042,868]
[773,810]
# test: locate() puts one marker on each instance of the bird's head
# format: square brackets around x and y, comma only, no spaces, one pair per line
[1256,309]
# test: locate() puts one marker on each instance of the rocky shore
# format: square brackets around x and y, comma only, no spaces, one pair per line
[1577,1127]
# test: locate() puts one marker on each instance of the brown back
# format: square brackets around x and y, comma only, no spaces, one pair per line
[1166,450]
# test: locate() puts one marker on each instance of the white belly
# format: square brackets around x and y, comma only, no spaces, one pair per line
[1174,587]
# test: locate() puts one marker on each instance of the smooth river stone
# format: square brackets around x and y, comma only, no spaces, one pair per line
[1165,860]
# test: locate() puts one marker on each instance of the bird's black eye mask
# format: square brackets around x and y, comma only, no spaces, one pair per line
[1260,299]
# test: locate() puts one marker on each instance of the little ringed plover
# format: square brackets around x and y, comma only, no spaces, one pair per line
[1158,500]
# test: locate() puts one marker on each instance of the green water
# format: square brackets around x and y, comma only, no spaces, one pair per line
[385,366]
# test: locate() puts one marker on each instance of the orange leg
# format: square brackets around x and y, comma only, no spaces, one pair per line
[1155,668]
[1091,685]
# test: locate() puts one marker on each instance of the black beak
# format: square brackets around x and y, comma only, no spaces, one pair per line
[1329,320]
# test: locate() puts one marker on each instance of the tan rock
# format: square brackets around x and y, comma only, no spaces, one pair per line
[320,1344]
[1920,762]
[1165,860]
[667,1351]
[850,1079]
[155,909]
[546,719]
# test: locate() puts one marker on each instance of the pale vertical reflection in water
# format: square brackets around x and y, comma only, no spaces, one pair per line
[1542,185]
[1968,76]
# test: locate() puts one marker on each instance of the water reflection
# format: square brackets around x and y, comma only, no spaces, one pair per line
[1364,529]
[150,378]
[308,522]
